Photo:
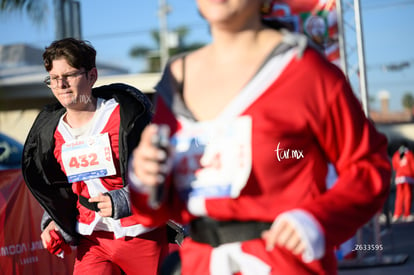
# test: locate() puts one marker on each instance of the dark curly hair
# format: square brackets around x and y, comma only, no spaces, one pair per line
[78,53]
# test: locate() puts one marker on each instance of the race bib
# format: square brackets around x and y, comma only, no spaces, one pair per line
[213,159]
[88,157]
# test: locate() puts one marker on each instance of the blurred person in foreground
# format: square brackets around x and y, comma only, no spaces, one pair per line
[255,117]
[75,160]
[403,165]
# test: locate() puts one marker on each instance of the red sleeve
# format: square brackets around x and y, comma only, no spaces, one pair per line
[59,141]
[359,153]
[395,160]
[411,163]
[172,207]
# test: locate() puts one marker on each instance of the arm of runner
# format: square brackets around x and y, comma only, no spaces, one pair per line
[120,202]
[299,232]
[151,164]
[45,235]
[104,204]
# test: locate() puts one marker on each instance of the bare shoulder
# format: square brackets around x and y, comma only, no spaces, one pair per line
[196,56]
[176,70]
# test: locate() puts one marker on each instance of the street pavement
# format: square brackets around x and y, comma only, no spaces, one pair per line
[397,258]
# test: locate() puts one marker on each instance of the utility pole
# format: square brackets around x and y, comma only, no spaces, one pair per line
[361,57]
[163,10]
[76,19]
[67,19]
[59,19]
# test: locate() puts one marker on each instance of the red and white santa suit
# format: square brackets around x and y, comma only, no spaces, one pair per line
[265,158]
[103,128]
[84,154]
[403,165]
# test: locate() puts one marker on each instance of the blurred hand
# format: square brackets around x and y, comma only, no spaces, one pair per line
[284,234]
[149,162]
[45,235]
[104,204]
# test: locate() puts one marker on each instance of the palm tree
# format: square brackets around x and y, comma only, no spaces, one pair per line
[152,55]
[35,9]
[408,101]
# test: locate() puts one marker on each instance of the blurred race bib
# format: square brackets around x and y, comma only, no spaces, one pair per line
[213,159]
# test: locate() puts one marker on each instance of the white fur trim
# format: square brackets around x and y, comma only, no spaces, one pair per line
[310,232]
[197,206]
[230,258]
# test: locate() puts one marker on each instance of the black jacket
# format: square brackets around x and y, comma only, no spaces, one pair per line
[43,174]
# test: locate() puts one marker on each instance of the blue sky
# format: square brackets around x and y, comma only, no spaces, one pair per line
[114,27]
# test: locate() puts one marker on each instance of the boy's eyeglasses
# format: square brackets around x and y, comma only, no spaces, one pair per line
[53,82]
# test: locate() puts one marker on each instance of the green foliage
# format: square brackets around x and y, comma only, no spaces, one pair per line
[152,55]
[35,9]
[408,100]
[139,51]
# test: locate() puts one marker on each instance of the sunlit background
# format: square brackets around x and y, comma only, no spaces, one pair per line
[125,34]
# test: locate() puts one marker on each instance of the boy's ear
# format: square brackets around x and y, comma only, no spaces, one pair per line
[93,75]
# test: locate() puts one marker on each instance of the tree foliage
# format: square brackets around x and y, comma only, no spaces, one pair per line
[35,9]
[152,55]
[408,100]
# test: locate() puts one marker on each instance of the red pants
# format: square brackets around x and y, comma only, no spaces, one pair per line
[101,253]
[403,198]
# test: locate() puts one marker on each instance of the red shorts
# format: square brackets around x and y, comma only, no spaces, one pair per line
[101,253]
